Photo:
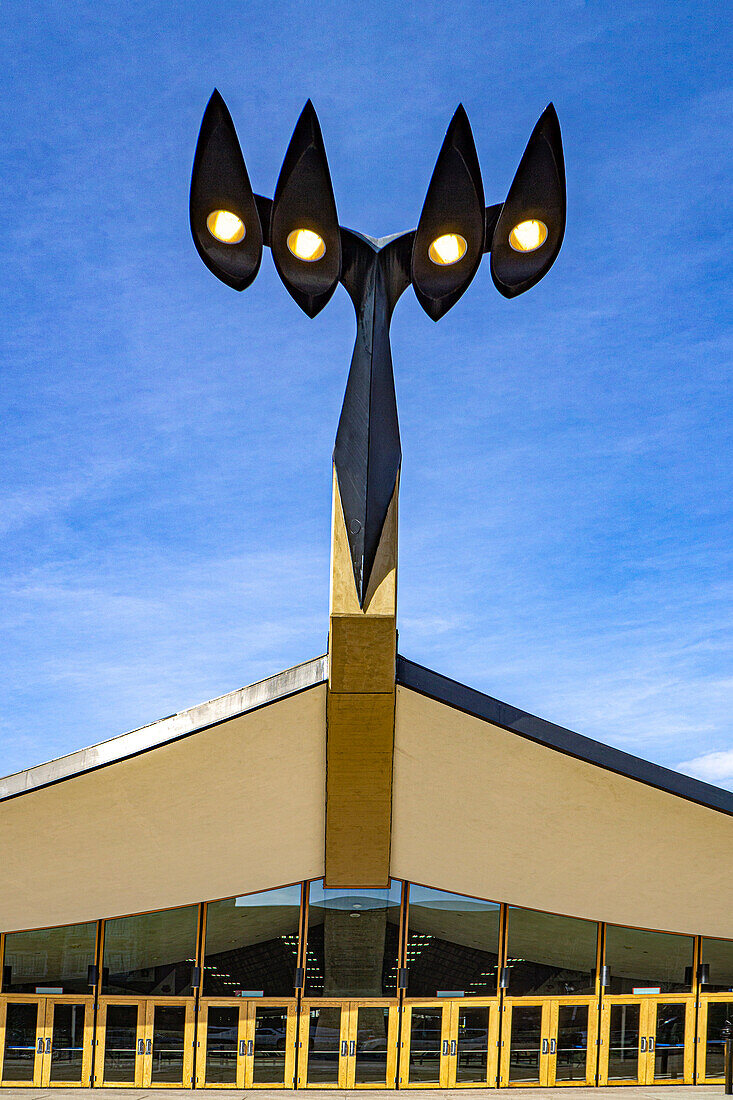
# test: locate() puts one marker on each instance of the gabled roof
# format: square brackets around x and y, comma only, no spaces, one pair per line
[201,717]
[410,675]
[456,695]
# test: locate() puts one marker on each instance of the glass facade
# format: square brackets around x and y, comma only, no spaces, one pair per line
[358,943]
[151,954]
[718,956]
[56,959]
[252,944]
[353,941]
[548,955]
[655,961]
[452,944]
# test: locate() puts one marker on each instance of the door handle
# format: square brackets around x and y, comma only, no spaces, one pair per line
[545,1046]
[140,1046]
[148,1046]
[651,1042]
[552,1046]
[48,1045]
[344,1048]
[250,1047]
[40,1047]
[446,1046]
[352,1048]
[241,1048]
[643,1044]
[453,1047]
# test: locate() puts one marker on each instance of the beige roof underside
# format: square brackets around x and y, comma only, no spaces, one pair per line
[482,811]
[239,807]
[230,810]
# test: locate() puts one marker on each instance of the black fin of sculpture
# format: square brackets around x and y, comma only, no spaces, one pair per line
[367,454]
[454,204]
[304,200]
[219,181]
[537,192]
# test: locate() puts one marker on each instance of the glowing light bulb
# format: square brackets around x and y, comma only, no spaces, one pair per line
[528,236]
[448,249]
[225,226]
[306,245]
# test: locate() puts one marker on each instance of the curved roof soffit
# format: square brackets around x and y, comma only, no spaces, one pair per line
[453,694]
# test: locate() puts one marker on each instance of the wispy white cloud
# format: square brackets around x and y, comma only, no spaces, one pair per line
[713,767]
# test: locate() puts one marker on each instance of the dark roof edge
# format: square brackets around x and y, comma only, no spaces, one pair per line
[444,690]
[194,720]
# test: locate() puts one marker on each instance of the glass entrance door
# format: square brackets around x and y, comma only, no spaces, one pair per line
[323,1044]
[168,1059]
[570,1046]
[23,1041]
[348,1044]
[144,1043]
[524,1029]
[45,1042]
[714,1011]
[425,1045]
[472,1049]
[119,1051]
[68,1042]
[647,1040]
[246,1044]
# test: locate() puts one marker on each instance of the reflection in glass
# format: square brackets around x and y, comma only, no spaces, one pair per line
[549,955]
[151,953]
[252,944]
[324,1036]
[639,959]
[669,1043]
[51,957]
[222,1038]
[524,1051]
[353,941]
[623,1043]
[572,1043]
[20,1042]
[718,1013]
[452,943]
[271,1031]
[169,1022]
[473,1045]
[67,1042]
[372,1030]
[426,1029]
[120,1044]
[718,954]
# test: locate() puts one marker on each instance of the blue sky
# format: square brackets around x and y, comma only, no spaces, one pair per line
[166,443]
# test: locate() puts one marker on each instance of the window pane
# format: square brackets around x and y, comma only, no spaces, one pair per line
[648,960]
[50,958]
[718,954]
[353,940]
[452,944]
[151,953]
[252,944]
[550,955]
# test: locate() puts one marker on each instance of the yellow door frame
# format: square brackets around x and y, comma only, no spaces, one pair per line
[406,1043]
[648,1007]
[706,999]
[189,1006]
[492,1039]
[100,1044]
[45,1005]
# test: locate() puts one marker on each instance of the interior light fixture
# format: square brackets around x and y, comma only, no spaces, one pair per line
[448,249]
[528,236]
[225,226]
[306,245]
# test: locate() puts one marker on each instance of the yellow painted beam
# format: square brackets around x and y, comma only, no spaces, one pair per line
[360,711]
